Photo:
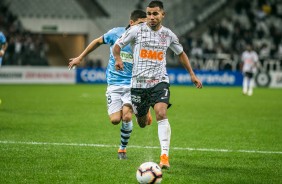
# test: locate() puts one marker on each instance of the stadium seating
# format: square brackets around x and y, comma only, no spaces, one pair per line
[68,9]
[192,21]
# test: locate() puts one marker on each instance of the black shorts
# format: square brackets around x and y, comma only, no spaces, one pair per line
[143,98]
[249,74]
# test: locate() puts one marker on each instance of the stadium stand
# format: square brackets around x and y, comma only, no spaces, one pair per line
[189,12]
[120,10]
[51,8]
[24,48]
[225,33]
[206,28]
[248,23]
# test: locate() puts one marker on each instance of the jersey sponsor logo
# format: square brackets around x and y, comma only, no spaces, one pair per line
[159,47]
[144,29]
[126,57]
[145,44]
[151,54]
[136,99]
[146,80]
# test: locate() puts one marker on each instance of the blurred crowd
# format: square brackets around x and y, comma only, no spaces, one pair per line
[24,48]
[257,23]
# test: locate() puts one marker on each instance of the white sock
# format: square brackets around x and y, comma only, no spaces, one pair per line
[251,87]
[245,85]
[164,133]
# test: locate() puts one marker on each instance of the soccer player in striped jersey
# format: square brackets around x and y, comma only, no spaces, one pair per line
[150,82]
[250,60]
[3,46]
[118,90]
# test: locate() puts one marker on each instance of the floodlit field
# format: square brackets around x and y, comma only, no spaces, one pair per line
[62,134]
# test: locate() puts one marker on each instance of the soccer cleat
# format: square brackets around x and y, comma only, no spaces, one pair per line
[149,118]
[122,154]
[250,93]
[164,164]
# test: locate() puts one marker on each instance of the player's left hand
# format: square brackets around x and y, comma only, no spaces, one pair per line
[197,82]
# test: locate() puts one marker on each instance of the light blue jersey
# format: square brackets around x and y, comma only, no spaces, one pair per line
[118,77]
[2,42]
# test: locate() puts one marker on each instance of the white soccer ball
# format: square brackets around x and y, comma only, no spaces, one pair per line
[149,172]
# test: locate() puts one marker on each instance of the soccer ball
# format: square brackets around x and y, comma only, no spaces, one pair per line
[149,172]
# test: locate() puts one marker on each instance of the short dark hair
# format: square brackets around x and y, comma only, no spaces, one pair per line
[154,4]
[137,14]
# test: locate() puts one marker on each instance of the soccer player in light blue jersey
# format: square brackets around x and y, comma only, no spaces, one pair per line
[118,90]
[3,46]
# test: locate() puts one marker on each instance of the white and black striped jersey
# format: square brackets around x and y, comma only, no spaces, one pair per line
[249,58]
[149,51]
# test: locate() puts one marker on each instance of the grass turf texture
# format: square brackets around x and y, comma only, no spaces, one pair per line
[75,116]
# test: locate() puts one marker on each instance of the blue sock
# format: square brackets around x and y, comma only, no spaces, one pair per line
[125,132]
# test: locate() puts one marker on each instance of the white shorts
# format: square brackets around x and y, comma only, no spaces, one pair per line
[117,97]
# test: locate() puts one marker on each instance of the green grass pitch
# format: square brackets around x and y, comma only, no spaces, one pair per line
[62,134]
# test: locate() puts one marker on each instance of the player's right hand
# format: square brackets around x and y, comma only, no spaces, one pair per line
[74,62]
[119,65]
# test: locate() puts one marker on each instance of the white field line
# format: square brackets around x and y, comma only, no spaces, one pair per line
[139,147]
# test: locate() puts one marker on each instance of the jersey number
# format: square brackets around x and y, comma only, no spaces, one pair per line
[109,99]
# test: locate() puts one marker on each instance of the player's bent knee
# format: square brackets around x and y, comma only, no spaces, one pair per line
[141,121]
[115,121]
[115,118]
[161,111]
[127,118]
[161,115]
[142,125]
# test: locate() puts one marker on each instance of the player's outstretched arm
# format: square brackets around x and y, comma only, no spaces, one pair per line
[116,52]
[91,47]
[186,63]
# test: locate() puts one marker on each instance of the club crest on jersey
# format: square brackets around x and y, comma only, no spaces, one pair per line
[162,37]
